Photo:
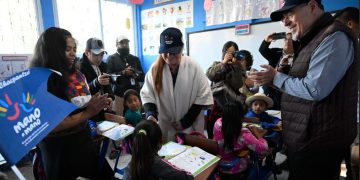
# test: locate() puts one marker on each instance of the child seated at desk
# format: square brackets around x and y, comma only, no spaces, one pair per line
[258,104]
[132,107]
[145,162]
[233,139]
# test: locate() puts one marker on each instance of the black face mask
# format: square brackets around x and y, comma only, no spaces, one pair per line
[123,51]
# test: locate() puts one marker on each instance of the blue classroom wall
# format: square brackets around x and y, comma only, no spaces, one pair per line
[199,20]
[47,13]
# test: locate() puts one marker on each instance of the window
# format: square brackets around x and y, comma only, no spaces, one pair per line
[19,26]
[103,19]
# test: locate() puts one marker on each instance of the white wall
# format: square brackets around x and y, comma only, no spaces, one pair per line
[205,47]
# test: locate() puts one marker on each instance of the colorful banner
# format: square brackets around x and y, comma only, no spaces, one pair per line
[28,112]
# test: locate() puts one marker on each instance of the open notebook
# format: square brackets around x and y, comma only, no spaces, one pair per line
[194,160]
[171,149]
[115,131]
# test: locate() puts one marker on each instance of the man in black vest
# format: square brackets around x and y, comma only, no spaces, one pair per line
[320,93]
[128,69]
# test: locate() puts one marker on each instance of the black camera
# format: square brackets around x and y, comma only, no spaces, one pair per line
[239,55]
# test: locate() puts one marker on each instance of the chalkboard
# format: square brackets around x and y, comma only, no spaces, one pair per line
[205,47]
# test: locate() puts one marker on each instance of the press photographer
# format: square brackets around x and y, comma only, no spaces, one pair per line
[128,69]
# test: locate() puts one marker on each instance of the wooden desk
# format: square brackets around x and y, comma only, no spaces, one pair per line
[207,172]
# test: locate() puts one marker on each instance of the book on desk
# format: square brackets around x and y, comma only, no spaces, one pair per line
[115,131]
[194,160]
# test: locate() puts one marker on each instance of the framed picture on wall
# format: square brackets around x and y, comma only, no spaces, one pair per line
[161,1]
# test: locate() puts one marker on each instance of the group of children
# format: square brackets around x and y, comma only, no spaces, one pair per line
[234,139]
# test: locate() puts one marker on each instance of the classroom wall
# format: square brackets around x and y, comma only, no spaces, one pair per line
[48,17]
[200,26]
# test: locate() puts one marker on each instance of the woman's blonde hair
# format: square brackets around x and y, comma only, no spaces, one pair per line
[157,73]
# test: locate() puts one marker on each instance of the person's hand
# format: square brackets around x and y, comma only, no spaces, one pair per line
[108,103]
[115,118]
[227,58]
[269,38]
[278,126]
[96,104]
[258,132]
[263,77]
[104,79]
[128,71]
[177,126]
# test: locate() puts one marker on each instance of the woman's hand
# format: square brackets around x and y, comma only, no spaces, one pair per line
[227,58]
[115,118]
[96,104]
[258,132]
[177,126]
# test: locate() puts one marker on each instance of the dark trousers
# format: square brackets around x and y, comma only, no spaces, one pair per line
[323,165]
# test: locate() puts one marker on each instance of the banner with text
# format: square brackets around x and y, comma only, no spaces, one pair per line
[28,112]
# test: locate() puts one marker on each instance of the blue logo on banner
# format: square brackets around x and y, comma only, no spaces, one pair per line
[28,112]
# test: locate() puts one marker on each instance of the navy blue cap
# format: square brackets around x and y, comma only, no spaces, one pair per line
[171,41]
[287,6]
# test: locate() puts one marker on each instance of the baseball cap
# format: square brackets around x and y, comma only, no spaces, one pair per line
[95,45]
[121,38]
[171,41]
[287,6]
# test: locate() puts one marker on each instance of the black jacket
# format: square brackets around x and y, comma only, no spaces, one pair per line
[91,76]
[116,64]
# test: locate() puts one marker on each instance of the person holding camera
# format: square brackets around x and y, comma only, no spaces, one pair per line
[227,77]
[128,69]
[93,68]
[274,55]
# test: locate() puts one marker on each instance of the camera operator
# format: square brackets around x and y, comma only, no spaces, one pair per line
[129,68]
[92,66]
[227,77]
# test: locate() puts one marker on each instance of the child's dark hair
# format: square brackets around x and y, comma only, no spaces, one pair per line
[147,140]
[227,45]
[127,94]
[130,92]
[248,58]
[231,123]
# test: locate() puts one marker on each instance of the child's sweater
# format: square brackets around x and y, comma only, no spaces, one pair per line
[246,140]
[266,121]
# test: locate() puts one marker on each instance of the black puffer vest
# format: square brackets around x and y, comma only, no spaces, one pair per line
[331,122]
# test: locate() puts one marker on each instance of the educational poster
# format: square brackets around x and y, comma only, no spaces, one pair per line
[227,11]
[11,64]
[155,20]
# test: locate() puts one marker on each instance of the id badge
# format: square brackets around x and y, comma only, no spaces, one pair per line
[132,80]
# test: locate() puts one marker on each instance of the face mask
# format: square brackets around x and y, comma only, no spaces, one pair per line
[123,51]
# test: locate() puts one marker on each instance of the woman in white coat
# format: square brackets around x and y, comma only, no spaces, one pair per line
[176,89]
